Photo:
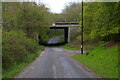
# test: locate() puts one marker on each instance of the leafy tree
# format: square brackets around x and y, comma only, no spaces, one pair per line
[101,21]
[33,19]
[16,46]
[71,12]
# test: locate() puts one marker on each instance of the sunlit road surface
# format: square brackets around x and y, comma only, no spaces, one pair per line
[55,63]
[55,40]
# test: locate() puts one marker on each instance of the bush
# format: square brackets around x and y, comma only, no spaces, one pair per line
[16,46]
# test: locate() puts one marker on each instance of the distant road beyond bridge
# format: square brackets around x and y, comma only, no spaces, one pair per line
[70,29]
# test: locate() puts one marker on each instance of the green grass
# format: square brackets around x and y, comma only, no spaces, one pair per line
[18,68]
[75,45]
[70,46]
[88,47]
[103,61]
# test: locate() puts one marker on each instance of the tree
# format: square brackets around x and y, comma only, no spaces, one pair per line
[72,11]
[101,20]
[33,19]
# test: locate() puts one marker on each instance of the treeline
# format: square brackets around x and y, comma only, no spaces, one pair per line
[101,19]
[23,22]
[71,13]
[31,18]
[101,22]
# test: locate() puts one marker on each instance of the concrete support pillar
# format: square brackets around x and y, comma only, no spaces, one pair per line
[37,37]
[68,34]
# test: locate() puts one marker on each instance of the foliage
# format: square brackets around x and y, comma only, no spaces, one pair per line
[16,46]
[58,17]
[101,20]
[33,19]
[71,12]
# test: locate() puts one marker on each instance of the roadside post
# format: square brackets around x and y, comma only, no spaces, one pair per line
[82,31]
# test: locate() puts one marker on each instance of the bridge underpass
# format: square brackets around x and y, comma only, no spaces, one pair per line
[70,29]
[70,32]
[65,32]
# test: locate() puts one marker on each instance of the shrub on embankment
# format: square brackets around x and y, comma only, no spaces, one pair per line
[102,60]
[16,48]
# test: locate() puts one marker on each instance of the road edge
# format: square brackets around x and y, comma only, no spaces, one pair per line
[41,53]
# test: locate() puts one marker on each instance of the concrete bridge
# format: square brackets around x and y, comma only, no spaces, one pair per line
[70,29]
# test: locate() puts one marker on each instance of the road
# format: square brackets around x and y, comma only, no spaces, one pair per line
[55,40]
[55,63]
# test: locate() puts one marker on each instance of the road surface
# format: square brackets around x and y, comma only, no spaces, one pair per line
[55,63]
[55,40]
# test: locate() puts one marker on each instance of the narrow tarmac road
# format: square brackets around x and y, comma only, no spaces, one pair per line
[55,63]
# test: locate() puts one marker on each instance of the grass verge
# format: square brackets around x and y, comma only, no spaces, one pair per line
[70,46]
[18,68]
[76,45]
[103,61]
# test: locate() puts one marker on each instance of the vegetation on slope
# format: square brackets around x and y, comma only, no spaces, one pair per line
[18,51]
[17,68]
[76,45]
[101,60]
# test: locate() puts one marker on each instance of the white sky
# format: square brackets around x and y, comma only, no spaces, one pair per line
[56,6]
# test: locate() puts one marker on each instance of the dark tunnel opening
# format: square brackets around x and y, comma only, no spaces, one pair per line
[58,43]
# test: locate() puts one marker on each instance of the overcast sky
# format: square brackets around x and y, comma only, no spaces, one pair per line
[56,6]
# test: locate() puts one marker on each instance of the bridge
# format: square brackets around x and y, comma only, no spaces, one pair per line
[70,29]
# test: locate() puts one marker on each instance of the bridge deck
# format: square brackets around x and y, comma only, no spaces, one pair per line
[67,23]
